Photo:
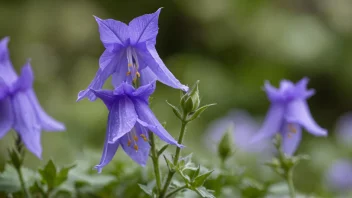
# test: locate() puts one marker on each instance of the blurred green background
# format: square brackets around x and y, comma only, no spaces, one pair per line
[231,46]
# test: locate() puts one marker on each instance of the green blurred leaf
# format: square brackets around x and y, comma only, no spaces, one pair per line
[63,175]
[9,181]
[48,174]
[146,189]
[199,181]
[162,149]
[198,112]
[176,111]
[203,192]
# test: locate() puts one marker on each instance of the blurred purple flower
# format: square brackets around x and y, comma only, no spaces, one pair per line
[289,112]
[243,127]
[344,129]
[19,106]
[339,176]
[129,121]
[130,53]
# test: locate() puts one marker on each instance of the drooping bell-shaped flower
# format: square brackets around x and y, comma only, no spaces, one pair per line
[130,54]
[129,121]
[288,113]
[19,106]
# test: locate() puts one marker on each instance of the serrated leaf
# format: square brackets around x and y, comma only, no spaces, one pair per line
[199,180]
[162,149]
[198,112]
[176,111]
[203,192]
[63,175]
[48,174]
[146,189]
[196,173]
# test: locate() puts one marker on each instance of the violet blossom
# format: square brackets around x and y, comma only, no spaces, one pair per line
[19,106]
[130,54]
[129,121]
[288,113]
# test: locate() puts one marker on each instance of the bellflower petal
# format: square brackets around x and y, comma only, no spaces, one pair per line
[46,122]
[113,34]
[301,87]
[140,156]
[25,81]
[145,91]
[26,123]
[298,112]
[7,73]
[6,116]
[148,119]
[144,28]
[122,118]
[151,58]
[108,153]
[291,137]
[107,96]
[147,76]
[109,63]
[272,123]
[272,92]
[3,89]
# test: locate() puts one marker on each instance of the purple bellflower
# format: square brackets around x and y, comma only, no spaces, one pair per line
[339,175]
[129,121]
[289,112]
[130,54]
[19,106]
[243,128]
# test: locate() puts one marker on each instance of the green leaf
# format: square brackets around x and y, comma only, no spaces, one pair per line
[146,189]
[170,165]
[175,110]
[48,174]
[198,112]
[9,180]
[196,173]
[203,192]
[162,149]
[63,175]
[199,180]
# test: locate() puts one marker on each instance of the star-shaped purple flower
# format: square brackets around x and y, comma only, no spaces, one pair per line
[19,106]
[130,53]
[129,121]
[289,112]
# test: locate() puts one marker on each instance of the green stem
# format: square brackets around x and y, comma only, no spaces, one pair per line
[177,155]
[175,191]
[155,159]
[23,185]
[291,187]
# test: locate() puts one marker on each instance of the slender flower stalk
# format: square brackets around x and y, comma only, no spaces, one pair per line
[289,180]
[175,191]
[155,159]
[176,158]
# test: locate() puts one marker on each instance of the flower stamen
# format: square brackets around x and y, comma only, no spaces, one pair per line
[135,147]
[144,137]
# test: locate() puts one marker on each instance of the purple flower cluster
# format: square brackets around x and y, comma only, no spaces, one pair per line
[130,58]
[19,106]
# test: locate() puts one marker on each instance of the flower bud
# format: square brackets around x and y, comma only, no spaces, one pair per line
[225,145]
[190,101]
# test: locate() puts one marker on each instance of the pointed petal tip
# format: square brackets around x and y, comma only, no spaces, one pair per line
[97,19]
[5,40]
[98,168]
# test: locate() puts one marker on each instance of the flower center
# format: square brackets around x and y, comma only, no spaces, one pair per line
[291,129]
[133,64]
[133,137]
